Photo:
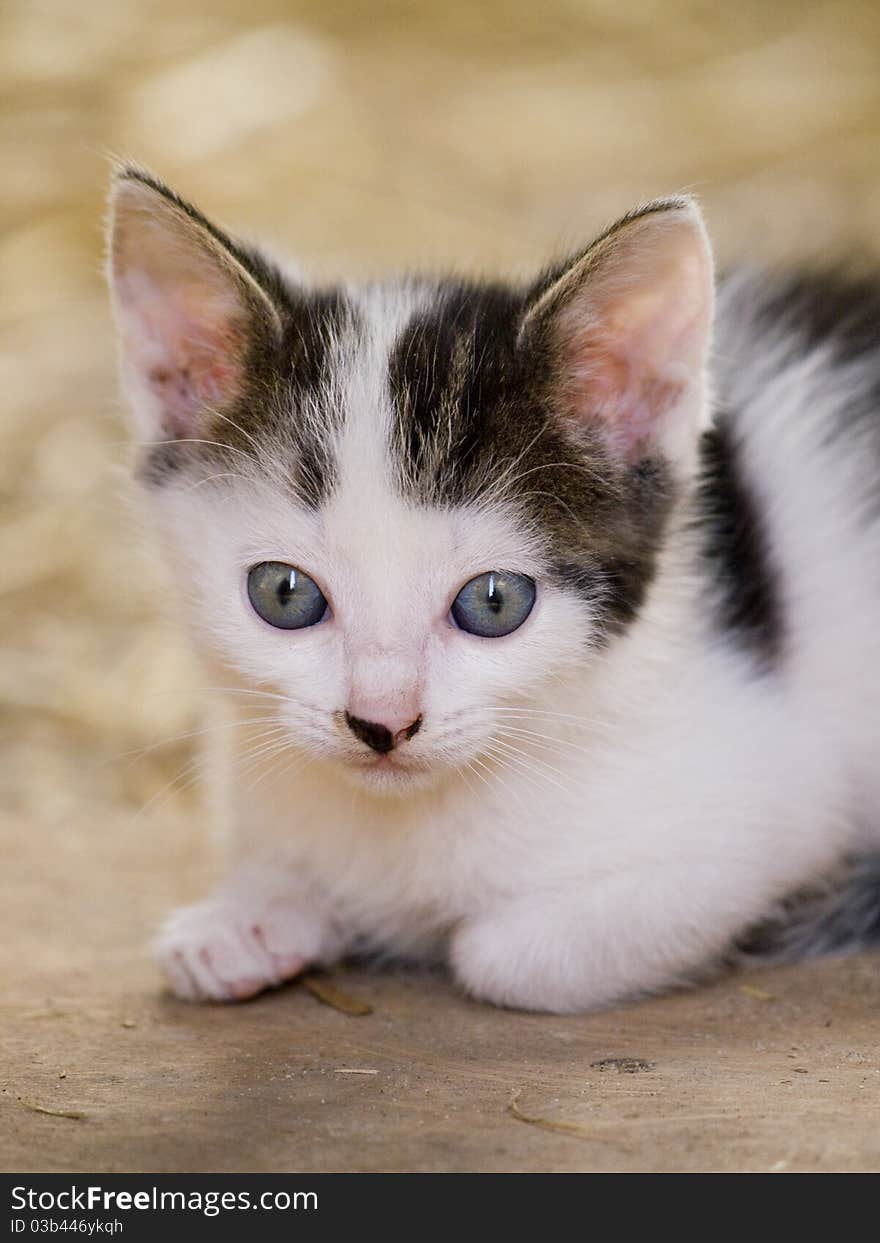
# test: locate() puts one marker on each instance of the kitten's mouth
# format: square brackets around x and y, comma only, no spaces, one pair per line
[389,771]
[389,762]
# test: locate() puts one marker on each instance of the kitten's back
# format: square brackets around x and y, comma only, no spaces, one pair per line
[797,374]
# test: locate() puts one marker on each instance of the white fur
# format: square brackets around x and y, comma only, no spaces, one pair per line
[662,800]
[566,830]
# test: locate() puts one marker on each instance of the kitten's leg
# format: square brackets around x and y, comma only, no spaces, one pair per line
[575,950]
[260,928]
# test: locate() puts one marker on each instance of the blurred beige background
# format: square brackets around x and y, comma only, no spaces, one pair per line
[358,137]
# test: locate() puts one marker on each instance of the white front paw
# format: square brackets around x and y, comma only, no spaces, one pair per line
[488,964]
[516,957]
[224,950]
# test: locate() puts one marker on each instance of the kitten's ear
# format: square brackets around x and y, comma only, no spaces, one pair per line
[626,329]
[191,317]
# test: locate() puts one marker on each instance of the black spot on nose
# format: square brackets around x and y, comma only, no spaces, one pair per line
[376,736]
[380,737]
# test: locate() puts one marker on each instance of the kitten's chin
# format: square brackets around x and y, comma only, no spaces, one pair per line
[389,777]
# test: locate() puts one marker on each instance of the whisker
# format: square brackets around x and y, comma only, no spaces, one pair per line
[217,414]
[242,690]
[549,714]
[503,480]
[193,768]
[462,772]
[267,753]
[521,759]
[495,775]
[546,740]
[192,772]
[139,752]
[294,767]
[581,466]
[527,757]
[263,741]
[224,474]
[194,440]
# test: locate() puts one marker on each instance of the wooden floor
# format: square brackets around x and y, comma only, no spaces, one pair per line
[101,1072]
[359,137]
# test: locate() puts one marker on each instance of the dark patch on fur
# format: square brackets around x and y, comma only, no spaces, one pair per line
[830,309]
[841,916]
[282,379]
[735,548]
[839,313]
[477,412]
[299,377]
[283,376]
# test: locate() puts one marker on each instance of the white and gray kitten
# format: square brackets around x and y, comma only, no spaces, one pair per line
[566,659]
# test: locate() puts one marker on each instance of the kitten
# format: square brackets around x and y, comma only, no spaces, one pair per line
[557,679]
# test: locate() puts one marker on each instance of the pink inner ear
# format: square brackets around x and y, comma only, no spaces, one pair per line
[187,346]
[623,394]
[634,337]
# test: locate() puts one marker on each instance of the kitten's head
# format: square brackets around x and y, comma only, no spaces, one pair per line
[408,510]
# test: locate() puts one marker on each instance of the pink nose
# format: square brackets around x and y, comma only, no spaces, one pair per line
[382,737]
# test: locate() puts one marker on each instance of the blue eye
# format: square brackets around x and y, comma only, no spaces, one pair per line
[284,596]
[493,604]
